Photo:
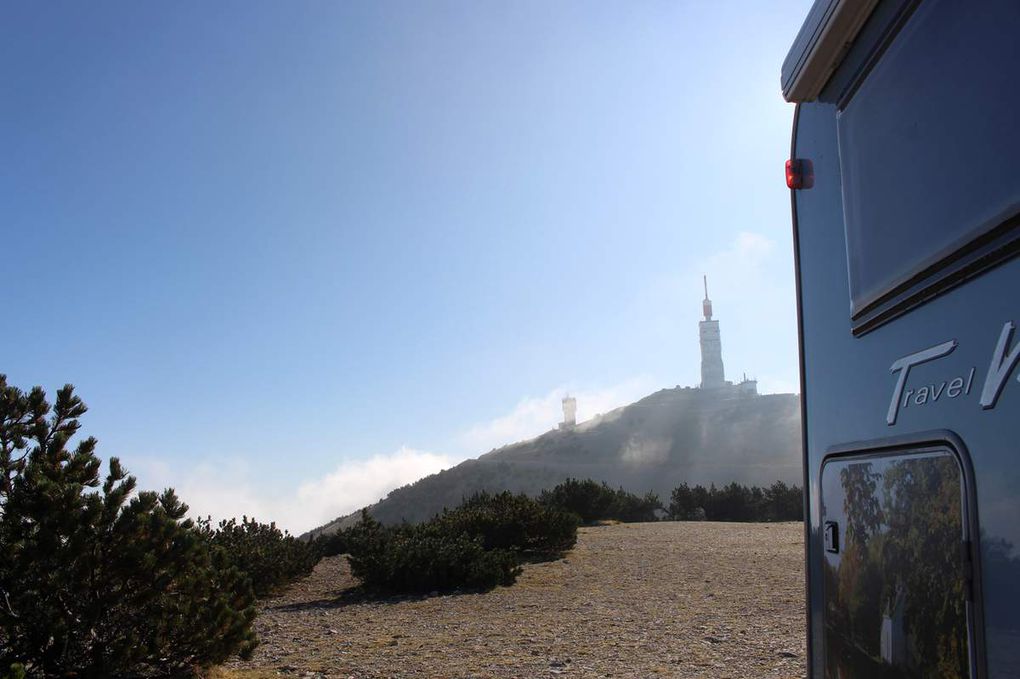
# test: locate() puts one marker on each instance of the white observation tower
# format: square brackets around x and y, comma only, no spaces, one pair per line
[712,376]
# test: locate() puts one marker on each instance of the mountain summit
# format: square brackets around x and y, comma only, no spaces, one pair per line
[718,432]
[697,436]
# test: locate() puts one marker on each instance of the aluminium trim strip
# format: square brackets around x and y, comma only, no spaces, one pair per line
[832,29]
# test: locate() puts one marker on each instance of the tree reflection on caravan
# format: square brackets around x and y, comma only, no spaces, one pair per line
[887,603]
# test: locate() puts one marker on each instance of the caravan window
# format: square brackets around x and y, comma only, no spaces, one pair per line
[929,144]
[895,574]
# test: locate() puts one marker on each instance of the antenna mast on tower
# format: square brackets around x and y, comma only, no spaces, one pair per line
[706,305]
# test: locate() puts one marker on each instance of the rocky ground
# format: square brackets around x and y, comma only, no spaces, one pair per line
[631,600]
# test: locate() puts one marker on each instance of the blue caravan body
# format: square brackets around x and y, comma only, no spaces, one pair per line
[905,185]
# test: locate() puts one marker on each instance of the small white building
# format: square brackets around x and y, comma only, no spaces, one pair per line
[894,636]
[569,412]
[747,387]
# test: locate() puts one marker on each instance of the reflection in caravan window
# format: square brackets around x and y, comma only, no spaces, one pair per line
[896,589]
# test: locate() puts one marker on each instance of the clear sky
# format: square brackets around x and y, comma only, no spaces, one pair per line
[295,254]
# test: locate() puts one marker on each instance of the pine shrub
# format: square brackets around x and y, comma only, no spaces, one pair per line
[631,508]
[425,558]
[514,522]
[351,539]
[478,545]
[589,500]
[735,502]
[271,558]
[592,501]
[96,580]
[333,544]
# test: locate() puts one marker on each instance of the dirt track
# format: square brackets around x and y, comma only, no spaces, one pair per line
[634,600]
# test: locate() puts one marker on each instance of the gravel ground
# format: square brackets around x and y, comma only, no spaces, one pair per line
[631,600]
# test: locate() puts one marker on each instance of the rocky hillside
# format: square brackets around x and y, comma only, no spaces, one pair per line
[670,437]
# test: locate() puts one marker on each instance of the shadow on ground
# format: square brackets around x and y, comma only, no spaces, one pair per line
[353,596]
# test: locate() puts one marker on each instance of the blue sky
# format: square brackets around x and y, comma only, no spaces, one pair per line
[293,254]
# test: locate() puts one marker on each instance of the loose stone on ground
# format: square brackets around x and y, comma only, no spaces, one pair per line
[670,599]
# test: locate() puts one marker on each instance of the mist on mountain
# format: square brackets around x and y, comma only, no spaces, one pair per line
[673,436]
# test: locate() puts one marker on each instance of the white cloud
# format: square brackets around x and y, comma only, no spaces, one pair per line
[357,483]
[226,489]
[534,415]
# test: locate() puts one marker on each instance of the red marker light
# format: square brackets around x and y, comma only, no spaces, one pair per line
[792,174]
[800,173]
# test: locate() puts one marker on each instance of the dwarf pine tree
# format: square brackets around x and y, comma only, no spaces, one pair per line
[97,580]
[269,557]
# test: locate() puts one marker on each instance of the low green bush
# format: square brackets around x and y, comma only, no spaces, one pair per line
[735,502]
[271,558]
[631,508]
[478,545]
[351,539]
[593,501]
[514,522]
[333,544]
[589,500]
[425,558]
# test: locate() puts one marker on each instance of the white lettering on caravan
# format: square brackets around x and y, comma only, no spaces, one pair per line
[951,388]
[1001,366]
[904,365]
[1004,360]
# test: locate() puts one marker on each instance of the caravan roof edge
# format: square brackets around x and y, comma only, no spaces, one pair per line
[820,46]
